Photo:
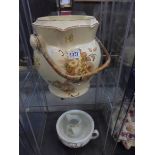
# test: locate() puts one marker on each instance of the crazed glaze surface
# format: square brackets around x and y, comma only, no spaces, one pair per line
[62,35]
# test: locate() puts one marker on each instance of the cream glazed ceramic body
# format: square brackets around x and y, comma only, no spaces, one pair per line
[69,42]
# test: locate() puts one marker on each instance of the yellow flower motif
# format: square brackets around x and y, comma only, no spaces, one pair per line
[37,62]
[80,66]
[69,38]
[73,63]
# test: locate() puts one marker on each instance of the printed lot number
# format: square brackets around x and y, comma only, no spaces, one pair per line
[74,54]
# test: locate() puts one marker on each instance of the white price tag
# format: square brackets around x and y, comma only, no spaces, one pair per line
[74,54]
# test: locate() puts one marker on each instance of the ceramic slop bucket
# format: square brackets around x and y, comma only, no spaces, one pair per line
[67,53]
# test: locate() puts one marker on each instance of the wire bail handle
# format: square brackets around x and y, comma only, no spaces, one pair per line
[37,43]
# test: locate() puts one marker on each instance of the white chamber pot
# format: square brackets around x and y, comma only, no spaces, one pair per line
[75,128]
[66,53]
